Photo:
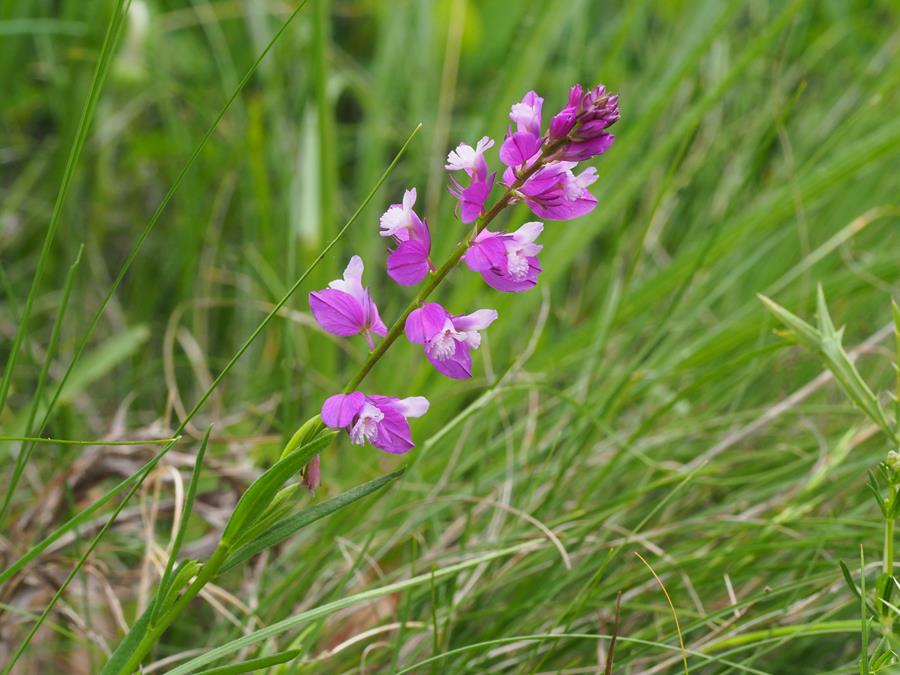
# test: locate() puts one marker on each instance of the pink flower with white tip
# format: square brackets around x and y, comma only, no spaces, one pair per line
[448,338]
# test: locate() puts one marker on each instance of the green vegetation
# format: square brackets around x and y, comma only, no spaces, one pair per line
[647,449]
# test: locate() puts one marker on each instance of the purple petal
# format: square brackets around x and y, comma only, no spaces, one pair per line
[408,263]
[486,252]
[503,282]
[458,366]
[519,147]
[339,410]
[562,208]
[424,323]
[337,312]
[583,150]
[527,113]
[373,320]
[563,121]
[394,435]
[472,198]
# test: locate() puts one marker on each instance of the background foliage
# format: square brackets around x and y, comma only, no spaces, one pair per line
[636,402]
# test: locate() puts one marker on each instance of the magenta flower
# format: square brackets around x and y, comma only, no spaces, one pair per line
[409,262]
[471,160]
[507,261]
[585,119]
[522,146]
[472,198]
[527,113]
[448,338]
[380,420]
[555,193]
[345,307]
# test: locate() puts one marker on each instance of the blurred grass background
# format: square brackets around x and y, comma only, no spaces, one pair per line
[636,402]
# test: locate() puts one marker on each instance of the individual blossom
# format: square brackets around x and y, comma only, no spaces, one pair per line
[447,338]
[507,261]
[527,113]
[345,307]
[472,197]
[521,147]
[380,420]
[554,191]
[409,262]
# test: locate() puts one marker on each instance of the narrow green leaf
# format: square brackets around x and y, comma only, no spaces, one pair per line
[119,657]
[286,527]
[262,491]
[849,579]
[28,443]
[182,528]
[310,615]
[802,331]
[254,664]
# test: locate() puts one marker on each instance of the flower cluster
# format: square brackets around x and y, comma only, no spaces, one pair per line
[541,173]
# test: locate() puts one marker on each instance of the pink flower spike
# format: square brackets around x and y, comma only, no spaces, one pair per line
[380,420]
[345,307]
[448,339]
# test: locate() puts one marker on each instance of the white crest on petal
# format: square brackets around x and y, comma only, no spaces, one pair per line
[528,232]
[462,158]
[392,221]
[366,427]
[484,144]
[443,345]
[409,199]
[352,280]
[398,217]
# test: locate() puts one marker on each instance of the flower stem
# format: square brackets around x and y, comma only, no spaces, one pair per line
[154,632]
[889,536]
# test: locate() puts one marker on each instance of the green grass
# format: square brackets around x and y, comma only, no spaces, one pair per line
[637,402]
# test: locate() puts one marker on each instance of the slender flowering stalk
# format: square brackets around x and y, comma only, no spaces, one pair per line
[540,174]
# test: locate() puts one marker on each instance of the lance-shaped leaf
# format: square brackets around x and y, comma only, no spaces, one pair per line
[262,491]
[284,528]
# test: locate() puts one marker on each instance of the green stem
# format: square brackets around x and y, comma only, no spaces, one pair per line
[825,627]
[207,573]
[889,536]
